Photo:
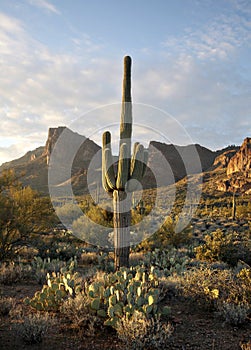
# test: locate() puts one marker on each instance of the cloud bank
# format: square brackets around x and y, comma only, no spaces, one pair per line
[200,78]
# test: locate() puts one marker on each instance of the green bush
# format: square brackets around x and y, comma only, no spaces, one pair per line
[226,247]
[167,237]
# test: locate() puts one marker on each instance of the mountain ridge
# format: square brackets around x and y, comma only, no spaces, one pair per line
[167,163]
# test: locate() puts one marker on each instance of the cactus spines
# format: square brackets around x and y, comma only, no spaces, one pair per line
[130,172]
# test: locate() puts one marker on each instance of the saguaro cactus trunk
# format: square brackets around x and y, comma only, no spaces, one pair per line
[130,171]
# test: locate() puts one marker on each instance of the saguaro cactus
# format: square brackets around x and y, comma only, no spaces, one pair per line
[130,171]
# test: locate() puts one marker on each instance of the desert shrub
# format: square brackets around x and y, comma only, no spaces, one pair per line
[244,280]
[27,253]
[136,258]
[139,332]
[224,290]
[12,272]
[93,229]
[6,305]
[235,314]
[77,311]
[88,258]
[226,247]
[204,284]
[68,213]
[167,236]
[34,328]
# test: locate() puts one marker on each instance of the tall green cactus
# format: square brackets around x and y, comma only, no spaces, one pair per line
[130,171]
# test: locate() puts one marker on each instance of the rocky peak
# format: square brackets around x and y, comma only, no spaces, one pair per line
[53,135]
[241,161]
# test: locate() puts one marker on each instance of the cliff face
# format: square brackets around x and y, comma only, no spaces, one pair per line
[69,142]
[241,161]
[53,135]
[238,169]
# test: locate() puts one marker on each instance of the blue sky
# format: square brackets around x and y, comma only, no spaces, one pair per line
[60,59]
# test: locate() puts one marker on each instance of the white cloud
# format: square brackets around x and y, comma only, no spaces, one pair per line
[218,39]
[40,88]
[45,5]
[198,81]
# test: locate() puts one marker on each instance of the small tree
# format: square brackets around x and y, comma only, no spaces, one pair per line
[22,212]
[130,170]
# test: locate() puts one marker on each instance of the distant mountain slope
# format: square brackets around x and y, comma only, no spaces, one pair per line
[172,163]
[28,157]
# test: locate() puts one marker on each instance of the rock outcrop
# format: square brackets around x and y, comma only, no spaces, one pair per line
[238,169]
[223,159]
[241,161]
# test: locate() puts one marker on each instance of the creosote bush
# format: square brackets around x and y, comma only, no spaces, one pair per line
[167,237]
[234,314]
[34,328]
[77,311]
[226,291]
[140,332]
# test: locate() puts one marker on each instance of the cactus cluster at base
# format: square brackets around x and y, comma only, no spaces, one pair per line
[125,291]
[59,286]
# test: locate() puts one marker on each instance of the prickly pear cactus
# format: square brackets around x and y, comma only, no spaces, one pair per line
[123,292]
[130,172]
[59,286]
